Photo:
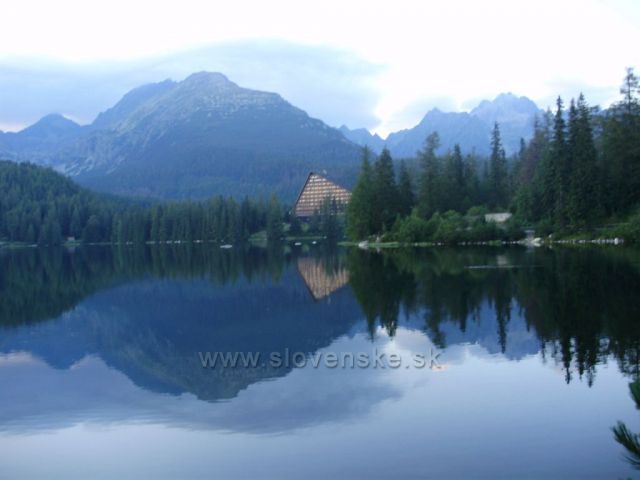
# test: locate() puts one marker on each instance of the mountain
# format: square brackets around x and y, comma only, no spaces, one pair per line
[129,103]
[35,143]
[467,130]
[362,136]
[508,109]
[202,136]
[206,135]
[515,115]
[471,130]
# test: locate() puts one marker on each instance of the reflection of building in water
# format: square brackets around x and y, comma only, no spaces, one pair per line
[320,282]
[315,190]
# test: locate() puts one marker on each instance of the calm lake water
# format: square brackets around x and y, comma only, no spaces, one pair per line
[465,363]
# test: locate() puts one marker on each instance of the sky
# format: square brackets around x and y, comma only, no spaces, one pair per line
[378,65]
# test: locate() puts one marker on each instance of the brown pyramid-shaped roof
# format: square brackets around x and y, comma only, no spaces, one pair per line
[314,192]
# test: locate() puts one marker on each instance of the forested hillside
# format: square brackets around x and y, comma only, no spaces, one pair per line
[41,206]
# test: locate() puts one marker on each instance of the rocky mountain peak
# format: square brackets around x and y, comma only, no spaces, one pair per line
[208,79]
[52,125]
[506,107]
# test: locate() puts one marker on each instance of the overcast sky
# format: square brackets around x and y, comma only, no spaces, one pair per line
[380,65]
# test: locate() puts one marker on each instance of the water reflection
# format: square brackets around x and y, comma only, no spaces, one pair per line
[152,327]
[579,304]
[112,336]
[323,277]
[576,308]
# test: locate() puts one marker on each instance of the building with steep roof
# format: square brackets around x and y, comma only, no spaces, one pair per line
[314,192]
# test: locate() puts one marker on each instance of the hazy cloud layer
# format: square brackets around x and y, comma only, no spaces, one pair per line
[334,85]
[343,63]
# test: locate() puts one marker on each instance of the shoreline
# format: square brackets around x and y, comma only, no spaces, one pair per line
[364,244]
[535,243]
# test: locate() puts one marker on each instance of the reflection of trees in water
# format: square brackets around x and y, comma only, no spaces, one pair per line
[580,303]
[38,284]
[438,281]
[380,287]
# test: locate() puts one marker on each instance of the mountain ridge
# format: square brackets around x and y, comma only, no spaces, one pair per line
[471,130]
[201,136]
[207,135]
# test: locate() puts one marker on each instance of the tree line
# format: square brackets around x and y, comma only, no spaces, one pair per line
[581,168]
[41,206]
[426,201]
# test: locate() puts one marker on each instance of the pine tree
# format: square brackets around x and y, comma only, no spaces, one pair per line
[498,174]
[91,233]
[406,196]
[274,220]
[471,194]
[429,194]
[529,177]
[75,228]
[561,166]
[454,179]
[329,225]
[586,178]
[385,198]
[621,148]
[359,210]
[582,195]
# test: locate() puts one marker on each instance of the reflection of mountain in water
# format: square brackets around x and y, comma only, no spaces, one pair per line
[481,329]
[155,309]
[152,331]
[126,327]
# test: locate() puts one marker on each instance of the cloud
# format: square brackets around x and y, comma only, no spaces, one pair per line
[334,85]
[303,398]
[328,57]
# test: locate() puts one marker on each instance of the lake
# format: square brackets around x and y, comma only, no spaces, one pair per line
[189,361]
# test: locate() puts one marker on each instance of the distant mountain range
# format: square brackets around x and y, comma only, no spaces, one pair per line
[202,136]
[206,135]
[471,130]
